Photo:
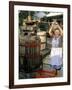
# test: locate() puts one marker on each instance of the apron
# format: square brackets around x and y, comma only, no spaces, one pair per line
[56,56]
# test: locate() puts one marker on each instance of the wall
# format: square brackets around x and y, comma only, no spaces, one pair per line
[4,45]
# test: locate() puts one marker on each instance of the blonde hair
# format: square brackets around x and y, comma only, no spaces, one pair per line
[53,31]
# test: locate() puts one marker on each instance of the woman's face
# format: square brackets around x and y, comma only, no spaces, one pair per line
[57,33]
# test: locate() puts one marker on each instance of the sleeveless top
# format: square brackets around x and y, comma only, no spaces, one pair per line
[57,42]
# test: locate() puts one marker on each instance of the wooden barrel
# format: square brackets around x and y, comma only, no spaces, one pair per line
[32,53]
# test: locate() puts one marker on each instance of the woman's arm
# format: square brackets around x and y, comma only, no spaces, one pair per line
[61,31]
[50,30]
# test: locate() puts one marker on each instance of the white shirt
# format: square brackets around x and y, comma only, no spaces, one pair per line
[55,42]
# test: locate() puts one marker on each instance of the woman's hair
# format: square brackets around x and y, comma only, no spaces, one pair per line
[55,30]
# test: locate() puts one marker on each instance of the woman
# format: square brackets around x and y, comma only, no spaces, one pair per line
[56,51]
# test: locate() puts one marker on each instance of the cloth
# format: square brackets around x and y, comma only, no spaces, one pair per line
[56,52]
[56,59]
[55,42]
